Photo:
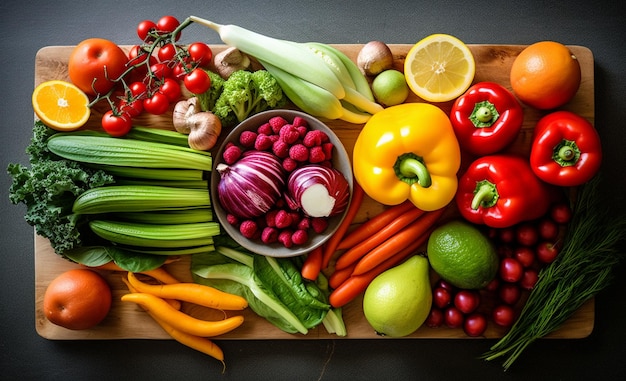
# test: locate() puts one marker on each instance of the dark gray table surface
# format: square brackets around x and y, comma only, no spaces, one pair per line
[27,26]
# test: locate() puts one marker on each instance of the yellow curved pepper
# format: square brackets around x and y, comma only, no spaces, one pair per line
[408,151]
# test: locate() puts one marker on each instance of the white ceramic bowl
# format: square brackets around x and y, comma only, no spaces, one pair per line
[341,162]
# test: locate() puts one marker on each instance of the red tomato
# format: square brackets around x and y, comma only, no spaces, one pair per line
[511,270]
[171,89]
[87,63]
[475,325]
[547,252]
[138,89]
[130,108]
[503,315]
[529,279]
[161,71]
[168,24]
[198,81]
[453,317]
[509,293]
[157,104]
[441,297]
[166,52]
[467,301]
[525,255]
[200,53]
[561,213]
[116,125]
[144,28]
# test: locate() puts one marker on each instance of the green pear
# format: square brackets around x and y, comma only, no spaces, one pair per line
[397,302]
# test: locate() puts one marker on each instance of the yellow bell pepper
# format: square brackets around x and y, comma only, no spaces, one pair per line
[408,151]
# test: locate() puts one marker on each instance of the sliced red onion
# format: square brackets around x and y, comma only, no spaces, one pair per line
[318,191]
[251,186]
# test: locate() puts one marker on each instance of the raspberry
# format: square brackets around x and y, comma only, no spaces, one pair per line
[295,218]
[316,154]
[280,148]
[299,237]
[276,123]
[289,134]
[328,150]
[302,130]
[270,218]
[304,224]
[315,138]
[319,224]
[247,138]
[299,152]
[284,237]
[248,229]
[231,154]
[269,235]
[289,164]
[300,121]
[232,219]
[263,142]
[265,129]
[283,219]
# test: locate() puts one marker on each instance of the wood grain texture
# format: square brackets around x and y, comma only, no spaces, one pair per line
[127,321]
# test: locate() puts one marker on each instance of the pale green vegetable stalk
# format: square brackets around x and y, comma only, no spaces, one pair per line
[583,268]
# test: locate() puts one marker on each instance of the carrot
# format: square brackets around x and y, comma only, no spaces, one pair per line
[198,343]
[357,283]
[407,236]
[378,238]
[172,302]
[333,241]
[312,264]
[340,275]
[376,223]
[180,320]
[191,292]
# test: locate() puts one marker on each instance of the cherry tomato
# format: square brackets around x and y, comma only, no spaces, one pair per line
[503,315]
[435,318]
[441,297]
[525,255]
[137,57]
[453,317]
[200,53]
[171,89]
[131,108]
[529,279]
[547,252]
[507,235]
[138,89]
[180,70]
[94,64]
[116,125]
[467,301]
[511,270]
[144,28]
[198,81]
[475,325]
[157,104]
[526,234]
[561,213]
[509,293]
[168,24]
[548,229]
[166,52]
[161,71]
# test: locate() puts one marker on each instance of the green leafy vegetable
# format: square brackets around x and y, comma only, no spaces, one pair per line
[583,268]
[208,98]
[273,286]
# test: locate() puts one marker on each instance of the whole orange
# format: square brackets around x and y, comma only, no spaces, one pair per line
[94,64]
[545,75]
[77,299]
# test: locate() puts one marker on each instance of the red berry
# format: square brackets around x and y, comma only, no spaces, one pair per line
[277,123]
[299,152]
[247,138]
[435,318]
[300,121]
[299,237]
[265,129]
[269,235]
[319,224]
[283,219]
[289,164]
[231,154]
[284,237]
[263,142]
[280,148]
[316,154]
[248,229]
[289,134]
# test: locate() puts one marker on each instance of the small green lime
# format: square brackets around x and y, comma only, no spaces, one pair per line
[462,255]
[390,88]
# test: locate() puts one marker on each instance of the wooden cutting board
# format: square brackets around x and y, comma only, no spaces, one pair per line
[127,321]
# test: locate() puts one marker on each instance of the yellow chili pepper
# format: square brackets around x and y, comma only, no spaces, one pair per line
[408,151]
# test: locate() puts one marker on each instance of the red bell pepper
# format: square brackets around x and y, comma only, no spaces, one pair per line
[486,119]
[500,191]
[566,149]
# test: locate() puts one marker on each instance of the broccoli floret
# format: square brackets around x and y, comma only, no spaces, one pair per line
[246,93]
[48,189]
[208,98]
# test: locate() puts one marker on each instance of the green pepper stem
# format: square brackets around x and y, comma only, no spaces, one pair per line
[484,114]
[411,169]
[566,153]
[485,195]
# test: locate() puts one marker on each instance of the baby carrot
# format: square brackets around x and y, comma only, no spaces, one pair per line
[180,320]
[312,264]
[333,241]
[378,238]
[340,275]
[414,232]
[191,292]
[374,224]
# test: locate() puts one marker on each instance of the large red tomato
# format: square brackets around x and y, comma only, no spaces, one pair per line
[94,63]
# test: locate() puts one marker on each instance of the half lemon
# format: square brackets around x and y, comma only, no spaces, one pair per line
[61,105]
[439,68]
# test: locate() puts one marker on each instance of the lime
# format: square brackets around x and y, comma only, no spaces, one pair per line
[462,255]
[390,88]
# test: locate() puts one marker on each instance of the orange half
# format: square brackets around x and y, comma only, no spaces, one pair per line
[61,105]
